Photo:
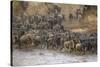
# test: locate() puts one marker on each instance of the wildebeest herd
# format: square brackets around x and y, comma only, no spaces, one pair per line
[47,32]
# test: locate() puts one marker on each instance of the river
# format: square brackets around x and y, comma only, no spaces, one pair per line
[44,57]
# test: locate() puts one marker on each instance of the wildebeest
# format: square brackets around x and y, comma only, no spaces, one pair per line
[24,5]
[59,18]
[78,47]
[58,28]
[69,45]
[79,14]
[26,41]
[37,41]
[88,44]
[71,17]
[81,47]
[54,41]
[93,43]
[50,42]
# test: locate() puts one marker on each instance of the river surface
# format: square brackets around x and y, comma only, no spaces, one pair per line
[44,56]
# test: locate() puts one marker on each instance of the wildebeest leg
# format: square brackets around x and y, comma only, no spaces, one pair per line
[49,44]
[61,45]
[85,49]
[45,45]
[70,17]
[19,45]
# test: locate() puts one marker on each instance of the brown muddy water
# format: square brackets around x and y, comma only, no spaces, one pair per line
[44,57]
